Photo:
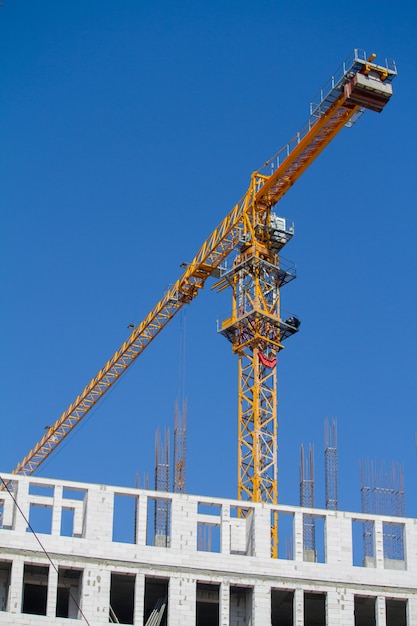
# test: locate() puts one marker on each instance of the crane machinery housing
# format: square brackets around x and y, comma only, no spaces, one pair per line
[256,326]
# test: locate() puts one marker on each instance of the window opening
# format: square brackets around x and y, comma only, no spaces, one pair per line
[240,512]
[363,543]
[208,537]
[68,596]
[67,522]
[314,609]
[207,508]
[156,601]
[314,538]
[396,612]
[35,589]
[72,493]
[36,489]
[40,519]
[393,539]
[240,611]
[285,534]
[282,607]
[207,605]
[158,522]
[124,518]
[5,573]
[364,611]
[73,512]
[122,597]
[208,526]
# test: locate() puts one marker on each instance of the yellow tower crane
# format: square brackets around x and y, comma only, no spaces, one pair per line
[256,327]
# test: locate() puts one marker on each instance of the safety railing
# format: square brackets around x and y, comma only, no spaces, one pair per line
[323,100]
[350,66]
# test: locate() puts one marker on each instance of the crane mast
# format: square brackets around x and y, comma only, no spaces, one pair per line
[255,328]
[256,331]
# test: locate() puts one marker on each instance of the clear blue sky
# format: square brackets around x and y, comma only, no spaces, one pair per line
[128,130]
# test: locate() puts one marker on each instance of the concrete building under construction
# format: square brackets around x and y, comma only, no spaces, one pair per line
[96,558]
[99,554]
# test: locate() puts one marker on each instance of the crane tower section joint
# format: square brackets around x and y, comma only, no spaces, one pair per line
[257,275]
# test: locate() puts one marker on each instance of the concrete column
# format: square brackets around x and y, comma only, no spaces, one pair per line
[9,511]
[298,537]
[379,544]
[96,594]
[225,530]
[298,607]
[347,599]
[410,545]
[412,611]
[261,605]
[224,603]
[339,608]
[99,520]
[16,586]
[52,590]
[141,520]
[139,599]
[20,524]
[182,601]
[57,511]
[339,550]
[380,611]
[184,525]
[79,521]
[262,532]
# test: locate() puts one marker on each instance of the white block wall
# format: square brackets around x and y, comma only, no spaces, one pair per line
[240,558]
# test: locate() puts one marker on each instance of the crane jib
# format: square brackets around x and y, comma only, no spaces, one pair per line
[361,84]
